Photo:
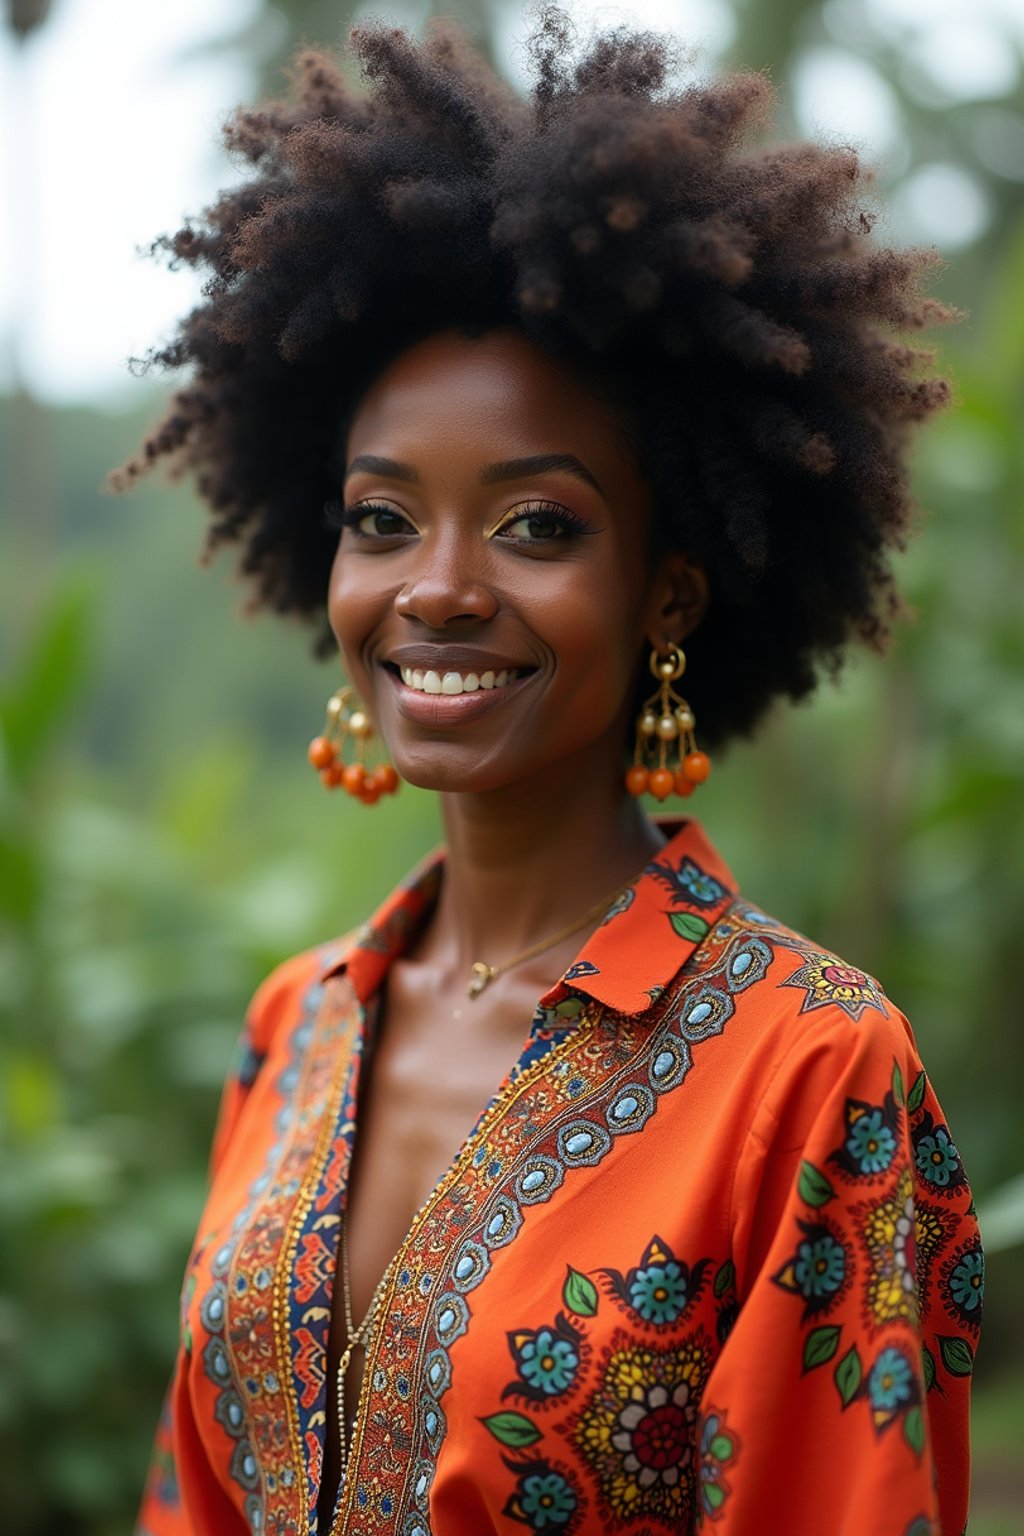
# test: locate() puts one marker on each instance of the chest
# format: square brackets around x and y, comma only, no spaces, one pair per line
[582,1205]
[436,1062]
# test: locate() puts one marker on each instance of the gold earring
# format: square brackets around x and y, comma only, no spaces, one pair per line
[347,721]
[664,736]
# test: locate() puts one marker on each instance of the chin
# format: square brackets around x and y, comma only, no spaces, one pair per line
[446,779]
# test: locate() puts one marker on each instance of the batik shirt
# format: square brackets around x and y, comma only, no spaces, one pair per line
[708,1259]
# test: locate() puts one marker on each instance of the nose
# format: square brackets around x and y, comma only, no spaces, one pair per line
[448,583]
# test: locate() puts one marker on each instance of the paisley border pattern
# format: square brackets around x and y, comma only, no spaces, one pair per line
[515,1160]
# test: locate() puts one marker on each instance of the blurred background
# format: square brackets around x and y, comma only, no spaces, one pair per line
[162,841]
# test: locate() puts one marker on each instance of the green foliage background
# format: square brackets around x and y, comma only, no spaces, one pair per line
[163,844]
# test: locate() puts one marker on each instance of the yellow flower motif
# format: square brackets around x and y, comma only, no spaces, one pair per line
[901,1239]
[637,1430]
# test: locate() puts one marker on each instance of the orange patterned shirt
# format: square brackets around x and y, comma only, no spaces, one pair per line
[708,1258]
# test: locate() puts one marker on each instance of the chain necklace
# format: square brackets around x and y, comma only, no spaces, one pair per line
[482,974]
[355,1335]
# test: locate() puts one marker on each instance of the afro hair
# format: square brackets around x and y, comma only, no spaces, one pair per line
[755,332]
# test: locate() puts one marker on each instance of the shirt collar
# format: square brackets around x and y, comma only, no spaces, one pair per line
[647,935]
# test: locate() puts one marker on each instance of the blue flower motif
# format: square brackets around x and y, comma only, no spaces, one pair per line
[688,882]
[548,1363]
[891,1380]
[871,1143]
[658,1292]
[701,887]
[967,1280]
[820,1267]
[717,1448]
[547,1499]
[936,1157]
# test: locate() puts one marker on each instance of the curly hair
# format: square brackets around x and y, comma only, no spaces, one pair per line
[754,331]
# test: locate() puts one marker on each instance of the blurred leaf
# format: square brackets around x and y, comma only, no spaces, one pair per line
[1001,1216]
[31,1095]
[35,702]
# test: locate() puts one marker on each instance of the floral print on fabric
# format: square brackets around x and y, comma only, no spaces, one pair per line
[547,1361]
[719,1448]
[634,1418]
[889,1244]
[872,1132]
[693,894]
[827,982]
[544,1498]
[901,1237]
[963,1285]
[936,1157]
[819,1269]
[660,1289]
[637,1429]
[554,1341]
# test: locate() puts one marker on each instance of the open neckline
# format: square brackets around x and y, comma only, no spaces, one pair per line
[528,1064]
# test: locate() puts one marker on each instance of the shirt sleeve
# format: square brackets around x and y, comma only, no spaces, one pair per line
[178,1483]
[839,1404]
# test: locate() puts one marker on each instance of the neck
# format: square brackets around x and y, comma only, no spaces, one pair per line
[526,860]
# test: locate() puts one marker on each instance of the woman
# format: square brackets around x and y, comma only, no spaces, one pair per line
[594,394]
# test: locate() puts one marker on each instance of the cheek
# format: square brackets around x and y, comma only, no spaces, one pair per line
[349,613]
[597,639]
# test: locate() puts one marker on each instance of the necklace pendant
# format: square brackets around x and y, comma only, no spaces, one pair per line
[482,976]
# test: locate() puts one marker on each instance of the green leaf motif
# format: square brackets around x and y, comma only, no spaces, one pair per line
[579,1293]
[957,1355]
[713,1493]
[721,1447]
[915,1098]
[813,1186]
[897,1083]
[848,1375]
[821,1345]
[913,1430]
[928,1367]
[689,926]
[513,1429]
[725,1279]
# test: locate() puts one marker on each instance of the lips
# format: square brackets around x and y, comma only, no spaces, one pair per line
[426,700]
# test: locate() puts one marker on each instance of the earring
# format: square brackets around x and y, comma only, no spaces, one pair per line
[664,731]
[347,721]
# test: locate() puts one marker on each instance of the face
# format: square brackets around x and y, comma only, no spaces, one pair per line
[491,594]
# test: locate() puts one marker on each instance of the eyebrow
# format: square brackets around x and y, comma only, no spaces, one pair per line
[372,464]
[539,464]
[508,469]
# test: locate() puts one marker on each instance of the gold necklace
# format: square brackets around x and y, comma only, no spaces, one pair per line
[482,974]
[355,1335]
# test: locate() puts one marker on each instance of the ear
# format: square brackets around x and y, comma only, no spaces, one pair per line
[677,600]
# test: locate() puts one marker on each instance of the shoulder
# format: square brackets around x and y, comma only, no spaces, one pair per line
[797,1009]
[805,977]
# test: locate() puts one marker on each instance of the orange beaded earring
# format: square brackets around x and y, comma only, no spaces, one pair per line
[664,730]
[347,720]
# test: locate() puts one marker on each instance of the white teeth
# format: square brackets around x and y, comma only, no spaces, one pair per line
[454,682]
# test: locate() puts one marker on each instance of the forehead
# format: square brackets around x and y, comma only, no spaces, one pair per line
[488,397]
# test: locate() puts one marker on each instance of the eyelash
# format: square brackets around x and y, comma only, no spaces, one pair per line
[337,516]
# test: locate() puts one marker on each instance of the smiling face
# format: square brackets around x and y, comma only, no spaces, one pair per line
[492,592]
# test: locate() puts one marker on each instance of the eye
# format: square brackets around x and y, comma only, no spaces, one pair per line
[375,520]
[541,522]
